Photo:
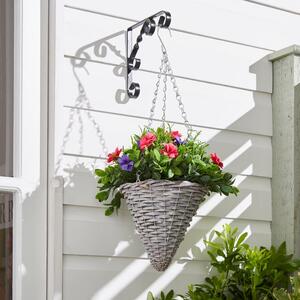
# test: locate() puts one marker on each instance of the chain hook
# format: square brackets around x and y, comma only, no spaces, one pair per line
[163,47]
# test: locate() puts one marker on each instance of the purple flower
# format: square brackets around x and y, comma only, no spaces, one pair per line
[138,144]
[179,141]
[125,163]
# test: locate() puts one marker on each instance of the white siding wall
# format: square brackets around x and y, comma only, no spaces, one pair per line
[218,51]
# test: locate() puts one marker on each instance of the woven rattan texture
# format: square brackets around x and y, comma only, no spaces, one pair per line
[162,211]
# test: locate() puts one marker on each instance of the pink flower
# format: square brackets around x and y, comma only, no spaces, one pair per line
[216,160]
[170,150]
[147,140]
[114,155]
[175,134]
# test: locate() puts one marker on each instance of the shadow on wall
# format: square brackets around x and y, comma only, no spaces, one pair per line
[110,244]
[100,50]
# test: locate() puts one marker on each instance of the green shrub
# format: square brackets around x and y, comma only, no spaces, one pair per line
[294,294]
[244,272]
[169,296]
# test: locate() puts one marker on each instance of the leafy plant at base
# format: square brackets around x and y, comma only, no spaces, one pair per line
[161,154]
[244,272]
[169,296]
[293,294]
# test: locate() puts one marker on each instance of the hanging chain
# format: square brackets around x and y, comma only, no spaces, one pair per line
[152,110]
[166,70]
[179,100]
[164,107]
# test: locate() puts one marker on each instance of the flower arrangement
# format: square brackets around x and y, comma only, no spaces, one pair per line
[157,154]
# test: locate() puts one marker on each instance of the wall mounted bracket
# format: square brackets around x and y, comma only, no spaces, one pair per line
[148,28]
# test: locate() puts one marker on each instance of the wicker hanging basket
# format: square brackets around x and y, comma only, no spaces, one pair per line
[162,211]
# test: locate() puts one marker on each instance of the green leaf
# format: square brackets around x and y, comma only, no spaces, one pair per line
[214,245]
[165,160]
[102,196]
[227,176]
[205,178]
[281,294]
[156,175]
[190,171]
[137,164]
[116,202]
[282,248]
[100,172]
[109,211]
[241,238]
[170,295]
[156,154]
[225,189]
[170,173]
[150,296]
[177,161]
[177,171]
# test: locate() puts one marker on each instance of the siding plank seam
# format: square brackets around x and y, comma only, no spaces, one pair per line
[273,7]
[168,121]
[172,29]
[176,76]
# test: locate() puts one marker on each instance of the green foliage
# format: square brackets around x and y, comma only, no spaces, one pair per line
[191,162]
[244,272]
[293,294]
[169,296]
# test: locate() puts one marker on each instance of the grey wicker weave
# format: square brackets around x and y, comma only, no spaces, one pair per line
[162,211]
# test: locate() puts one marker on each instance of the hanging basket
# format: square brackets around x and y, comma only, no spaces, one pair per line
[162,211]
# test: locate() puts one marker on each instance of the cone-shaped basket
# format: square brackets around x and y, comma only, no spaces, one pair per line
[162,211]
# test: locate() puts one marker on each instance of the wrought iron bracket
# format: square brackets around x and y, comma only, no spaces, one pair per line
[148,28]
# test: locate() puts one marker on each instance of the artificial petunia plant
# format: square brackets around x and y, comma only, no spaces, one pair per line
[161,154]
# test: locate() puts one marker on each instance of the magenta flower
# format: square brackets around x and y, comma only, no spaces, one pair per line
[216,160]
[125,163]
[147,140]
[175,134]
[170,150]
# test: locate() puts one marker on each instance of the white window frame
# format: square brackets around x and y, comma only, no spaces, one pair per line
[56,185]
[29,183]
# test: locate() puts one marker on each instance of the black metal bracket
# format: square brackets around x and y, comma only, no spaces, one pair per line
[133,63]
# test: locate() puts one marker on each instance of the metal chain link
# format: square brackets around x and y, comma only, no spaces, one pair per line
[179,99]
[164,107]
[167,71]
[152,110]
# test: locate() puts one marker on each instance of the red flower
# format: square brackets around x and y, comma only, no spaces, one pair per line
[216,160]
[170,150]
[114,155]
[175,134]
[147,140]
